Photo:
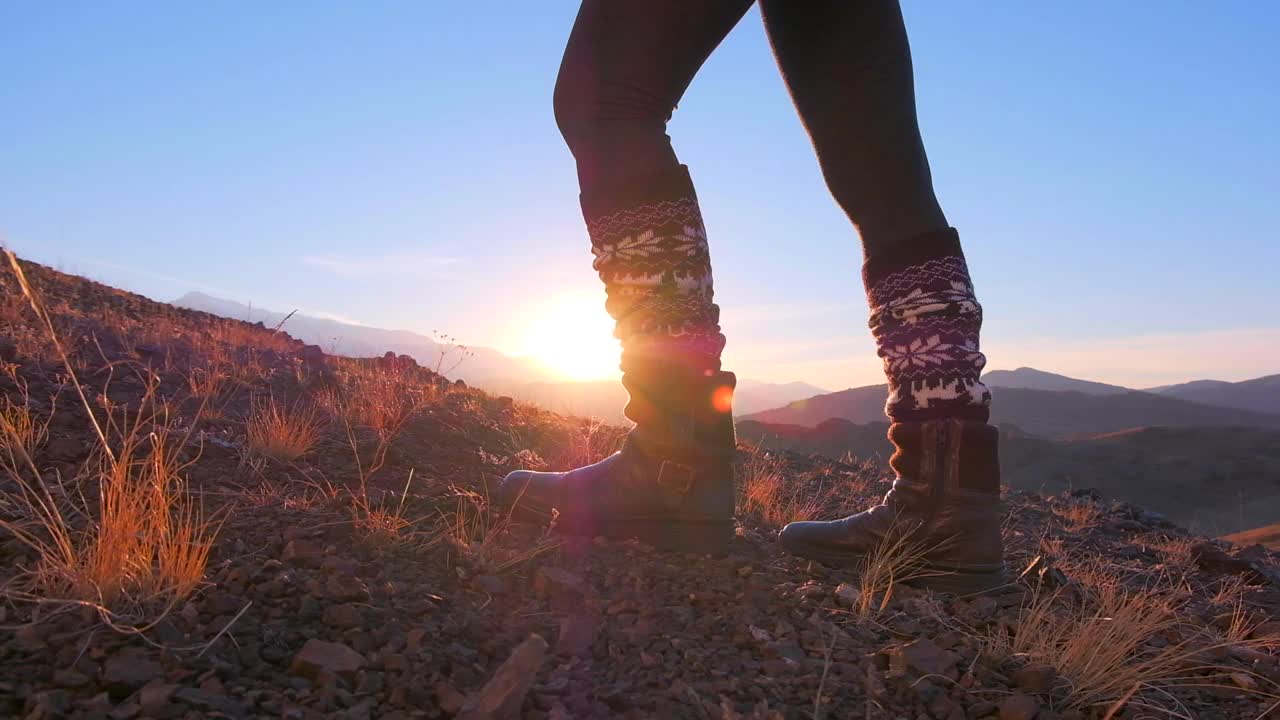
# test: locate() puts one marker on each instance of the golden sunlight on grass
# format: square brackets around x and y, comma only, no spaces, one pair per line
[572,336]
[282,432]
[143,544]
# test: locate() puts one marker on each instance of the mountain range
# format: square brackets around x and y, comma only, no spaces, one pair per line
[487,368]
[1057,406]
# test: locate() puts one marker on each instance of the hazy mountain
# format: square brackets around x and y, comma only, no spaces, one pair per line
[1025,378]
[341,338]
[1044,413]
[756,395]
[1260,394]
[487,368]
[1214,479]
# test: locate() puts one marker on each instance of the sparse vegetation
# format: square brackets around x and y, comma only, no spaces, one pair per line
[144,495]
[767,491]
[282,432]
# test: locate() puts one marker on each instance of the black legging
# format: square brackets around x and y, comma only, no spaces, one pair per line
[846,63]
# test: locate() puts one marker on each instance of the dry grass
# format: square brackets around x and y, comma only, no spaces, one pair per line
[24,433]
[1113,645]
[282,432]
[381,525]
[1172,550]
[474,532]
[899,557]
[1078,513]
[590,441]
[141,541]
[767,492]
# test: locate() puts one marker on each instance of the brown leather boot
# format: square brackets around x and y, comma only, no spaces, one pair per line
[671,485]
[945,502]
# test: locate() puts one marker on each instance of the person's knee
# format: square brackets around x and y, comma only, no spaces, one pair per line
[574,108]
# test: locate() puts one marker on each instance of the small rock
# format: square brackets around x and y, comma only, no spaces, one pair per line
[502,696]
[343,616]
[1244,682]
[1034,678]
[319,656]
[69,679]
[449,698]
[491,584]
[1019,707]
[209,701]
[126,672]
[847,594]
[346,588]
[577,633]
[302,553]
[155,695]
[922,657]
[48,704]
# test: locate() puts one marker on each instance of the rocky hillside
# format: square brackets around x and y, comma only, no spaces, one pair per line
[202,518]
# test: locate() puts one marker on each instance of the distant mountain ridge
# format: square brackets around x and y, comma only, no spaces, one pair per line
[1045,413]
[1259,394]
[487,368]
[1025,378]
[334,336]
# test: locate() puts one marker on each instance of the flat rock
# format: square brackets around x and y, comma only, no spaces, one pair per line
[502,696]
[1019,707]
[124,673]
[321,656]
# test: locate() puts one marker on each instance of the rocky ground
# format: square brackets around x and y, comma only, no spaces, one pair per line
[403,596]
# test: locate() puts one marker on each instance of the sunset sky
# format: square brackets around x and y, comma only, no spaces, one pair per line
[1114,170]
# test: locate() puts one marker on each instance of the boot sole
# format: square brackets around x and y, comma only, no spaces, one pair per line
[938,577]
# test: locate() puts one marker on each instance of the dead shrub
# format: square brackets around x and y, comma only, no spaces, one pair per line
[282,432]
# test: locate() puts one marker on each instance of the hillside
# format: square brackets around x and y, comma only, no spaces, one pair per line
[202,518]
[1215,480]
[1045,413]
[1259,394]
[1026,378]
[483,367]
[1268,536]
[605,399]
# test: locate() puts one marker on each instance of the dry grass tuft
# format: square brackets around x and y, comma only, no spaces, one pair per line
[282,432]
[141,542]
[898,558]
[1113,644]
[1079,513]
[767,492]
[473,531]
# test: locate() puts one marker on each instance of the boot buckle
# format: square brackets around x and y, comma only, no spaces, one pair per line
[676,472]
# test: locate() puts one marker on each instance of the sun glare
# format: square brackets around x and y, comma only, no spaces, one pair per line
[574,338]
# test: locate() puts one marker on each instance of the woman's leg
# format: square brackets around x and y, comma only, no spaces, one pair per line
[627,64]
[848,67]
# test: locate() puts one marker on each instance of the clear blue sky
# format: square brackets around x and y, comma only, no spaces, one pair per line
[1112,167]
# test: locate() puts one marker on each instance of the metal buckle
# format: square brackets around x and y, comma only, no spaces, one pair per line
[685,471]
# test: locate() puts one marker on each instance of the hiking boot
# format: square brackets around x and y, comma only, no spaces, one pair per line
[671,484]
[944,506]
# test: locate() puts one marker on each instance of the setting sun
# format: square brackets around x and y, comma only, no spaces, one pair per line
[572,336]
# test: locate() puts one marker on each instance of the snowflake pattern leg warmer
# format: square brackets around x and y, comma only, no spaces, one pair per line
[926,321]
[652,256]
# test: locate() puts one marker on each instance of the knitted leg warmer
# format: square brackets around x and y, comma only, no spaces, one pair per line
[926,322]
